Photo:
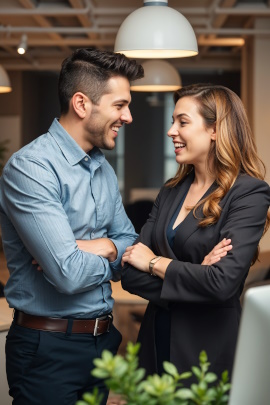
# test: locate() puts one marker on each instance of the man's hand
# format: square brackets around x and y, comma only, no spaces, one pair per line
[101,247]
[219,251]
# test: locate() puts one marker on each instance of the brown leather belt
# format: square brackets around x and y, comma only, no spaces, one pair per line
[96,326]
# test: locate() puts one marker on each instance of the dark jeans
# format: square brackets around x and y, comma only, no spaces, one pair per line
[51,368]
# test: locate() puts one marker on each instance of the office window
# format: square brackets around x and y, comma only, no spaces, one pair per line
[170,165]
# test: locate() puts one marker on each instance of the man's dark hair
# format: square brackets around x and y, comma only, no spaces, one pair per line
[88,71]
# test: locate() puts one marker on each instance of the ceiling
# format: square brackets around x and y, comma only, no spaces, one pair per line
[54,28]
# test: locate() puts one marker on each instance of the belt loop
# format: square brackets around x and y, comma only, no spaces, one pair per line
[69,327]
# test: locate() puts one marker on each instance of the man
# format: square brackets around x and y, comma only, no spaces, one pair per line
[60,204]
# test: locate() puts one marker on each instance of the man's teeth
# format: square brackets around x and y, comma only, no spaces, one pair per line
[179,145]
[116,129]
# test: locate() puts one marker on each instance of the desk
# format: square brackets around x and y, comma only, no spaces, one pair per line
[124,297]
[5,321]
[6,314]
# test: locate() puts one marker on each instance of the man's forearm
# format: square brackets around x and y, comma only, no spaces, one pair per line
[102,247]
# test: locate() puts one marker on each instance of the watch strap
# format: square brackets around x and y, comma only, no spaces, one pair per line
[152,263]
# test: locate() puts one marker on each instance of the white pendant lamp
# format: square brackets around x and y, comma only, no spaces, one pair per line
[159,75]
[156,31]
[5,86]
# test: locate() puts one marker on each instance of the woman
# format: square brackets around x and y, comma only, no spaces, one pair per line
[218,192]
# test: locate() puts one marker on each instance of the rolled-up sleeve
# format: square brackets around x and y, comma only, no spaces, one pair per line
[121,232]
[31,197]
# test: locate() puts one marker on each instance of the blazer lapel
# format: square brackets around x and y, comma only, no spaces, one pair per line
[190,223]
[170,205]
[187,227]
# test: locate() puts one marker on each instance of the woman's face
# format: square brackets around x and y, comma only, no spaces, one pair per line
[191,138]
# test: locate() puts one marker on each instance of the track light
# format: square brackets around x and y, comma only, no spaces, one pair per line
[23,45]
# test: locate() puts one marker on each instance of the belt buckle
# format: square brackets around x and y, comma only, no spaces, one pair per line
[109,317]
[96,327]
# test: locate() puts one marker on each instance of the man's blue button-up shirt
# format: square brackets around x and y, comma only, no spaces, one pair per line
[52,193]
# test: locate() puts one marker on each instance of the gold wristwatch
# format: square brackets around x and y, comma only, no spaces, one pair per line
[152,263]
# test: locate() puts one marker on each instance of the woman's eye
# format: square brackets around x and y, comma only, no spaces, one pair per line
[119,106]
[183,122]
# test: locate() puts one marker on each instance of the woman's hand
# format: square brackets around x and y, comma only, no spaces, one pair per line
[139,256]
[219,251]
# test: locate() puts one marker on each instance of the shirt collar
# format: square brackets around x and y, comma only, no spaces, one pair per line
[69,147]
[97,155]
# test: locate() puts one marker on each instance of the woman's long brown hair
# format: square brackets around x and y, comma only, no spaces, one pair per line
[233,152]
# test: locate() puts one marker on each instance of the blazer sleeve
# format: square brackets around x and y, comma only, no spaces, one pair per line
[138,282]
[244,225]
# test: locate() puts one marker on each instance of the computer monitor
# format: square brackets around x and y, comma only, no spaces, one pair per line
[251,370]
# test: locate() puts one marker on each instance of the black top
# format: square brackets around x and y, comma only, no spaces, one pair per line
[170,231]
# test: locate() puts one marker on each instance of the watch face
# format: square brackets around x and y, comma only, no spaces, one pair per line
[153,261]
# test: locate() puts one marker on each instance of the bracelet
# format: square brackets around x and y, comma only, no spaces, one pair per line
[152,263]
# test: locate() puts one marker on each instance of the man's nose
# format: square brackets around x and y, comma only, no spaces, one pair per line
[126,116]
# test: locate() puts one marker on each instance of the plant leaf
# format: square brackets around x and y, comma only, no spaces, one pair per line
[184,393]
[100,373]
[203,357]
[170,368]
[210,377]
[106,355]
[185,375]
[196,371]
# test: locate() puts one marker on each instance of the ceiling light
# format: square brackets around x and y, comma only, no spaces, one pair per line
[159,75]
[23,45]
[5,86]
[156,31]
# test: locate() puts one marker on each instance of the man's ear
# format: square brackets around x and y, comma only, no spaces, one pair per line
[80,104]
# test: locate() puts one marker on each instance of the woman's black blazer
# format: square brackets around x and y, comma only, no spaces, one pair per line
[203,300]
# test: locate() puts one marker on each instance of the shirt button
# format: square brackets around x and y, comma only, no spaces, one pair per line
[92,234]
[86,159]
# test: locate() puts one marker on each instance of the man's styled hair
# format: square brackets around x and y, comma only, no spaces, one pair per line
[88,71]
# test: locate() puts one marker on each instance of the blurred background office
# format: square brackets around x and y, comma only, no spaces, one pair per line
[233,39]
[234,50]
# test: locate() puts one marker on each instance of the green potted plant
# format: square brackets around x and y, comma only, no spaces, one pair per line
[123,377]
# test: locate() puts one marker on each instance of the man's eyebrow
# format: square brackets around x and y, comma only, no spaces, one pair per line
[122,101]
